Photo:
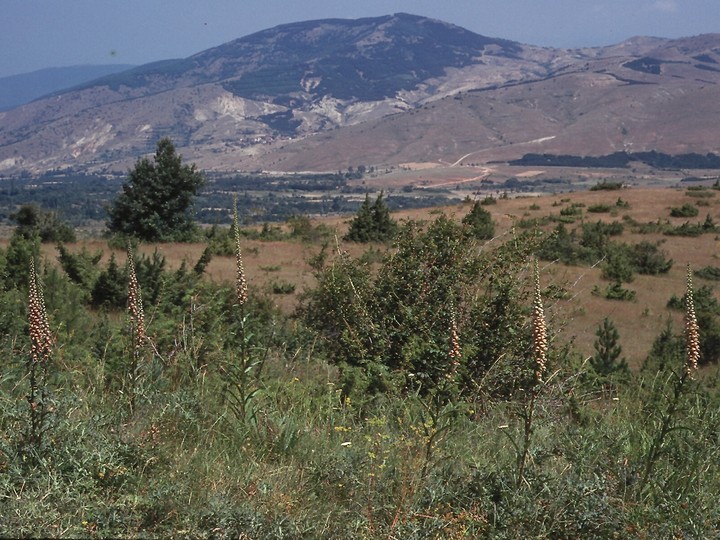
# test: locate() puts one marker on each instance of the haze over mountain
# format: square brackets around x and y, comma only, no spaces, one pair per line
[17,90]
[328,94]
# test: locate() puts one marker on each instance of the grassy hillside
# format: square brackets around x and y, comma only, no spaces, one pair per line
[576,317]
[411,396]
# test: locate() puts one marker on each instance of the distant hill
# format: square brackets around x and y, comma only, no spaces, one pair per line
[325,95]
[20,89]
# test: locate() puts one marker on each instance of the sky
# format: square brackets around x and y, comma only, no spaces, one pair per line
[38,34]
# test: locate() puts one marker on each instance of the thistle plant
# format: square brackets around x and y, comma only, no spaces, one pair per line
[41,347]
[690,365]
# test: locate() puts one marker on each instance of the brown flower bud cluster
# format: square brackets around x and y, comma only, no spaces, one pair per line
[539,330]
[135,305]
[455,351]
[241,288]
[40,337]
[692,334]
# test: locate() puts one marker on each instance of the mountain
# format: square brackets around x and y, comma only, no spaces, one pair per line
[17,90]
[328,94]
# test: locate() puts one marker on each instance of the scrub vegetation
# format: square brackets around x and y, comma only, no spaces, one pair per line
[424,387]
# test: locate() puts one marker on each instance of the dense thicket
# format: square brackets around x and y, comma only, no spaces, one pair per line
[623,159]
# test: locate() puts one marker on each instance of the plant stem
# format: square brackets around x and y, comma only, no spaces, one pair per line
[527,435]
[662,433]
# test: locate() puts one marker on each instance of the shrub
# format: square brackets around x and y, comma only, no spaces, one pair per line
[80,267]
[109,289]
[647,258]
[372,222]
[282,287]
[47,225]
[572,210]
[686,229]
[606,186]
[606,362]
[618,265]
[686,210]
[707,309]
[709,272]
[599,208]
[479,222]
[615,291]
[394,324]
[699,192]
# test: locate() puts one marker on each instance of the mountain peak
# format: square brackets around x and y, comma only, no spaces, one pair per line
[348,91]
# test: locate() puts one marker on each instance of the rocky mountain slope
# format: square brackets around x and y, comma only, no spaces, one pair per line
[324,95]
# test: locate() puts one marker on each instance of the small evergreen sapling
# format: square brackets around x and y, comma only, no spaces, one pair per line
[479,222]
[606,361]
[372,223]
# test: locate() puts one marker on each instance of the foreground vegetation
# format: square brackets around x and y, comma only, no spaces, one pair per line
[417,392]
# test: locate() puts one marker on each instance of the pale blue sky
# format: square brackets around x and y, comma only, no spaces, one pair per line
[51,33]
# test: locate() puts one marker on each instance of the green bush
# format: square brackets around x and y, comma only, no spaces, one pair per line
[479,222]
[372,222]
[686,210]
[709,272]
[396,322]
[282,287]
[606,186]
[47,225]
[615,291]
[648,259]
[606,362]
[359,423]
[707,310]
[599,208]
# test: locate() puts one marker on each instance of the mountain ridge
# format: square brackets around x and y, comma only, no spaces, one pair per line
[16,90]
[326,94]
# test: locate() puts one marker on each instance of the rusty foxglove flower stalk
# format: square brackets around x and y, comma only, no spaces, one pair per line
[241,288]
[539,330]
[41,344]
[40,336]
[455,351]
[692,335]
[135,305]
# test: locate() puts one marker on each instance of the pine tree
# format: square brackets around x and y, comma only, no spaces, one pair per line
[479,222]
[372,223]
[606,361]
[157,198]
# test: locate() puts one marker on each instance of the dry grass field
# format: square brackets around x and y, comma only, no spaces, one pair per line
[575,318]
[223,425]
